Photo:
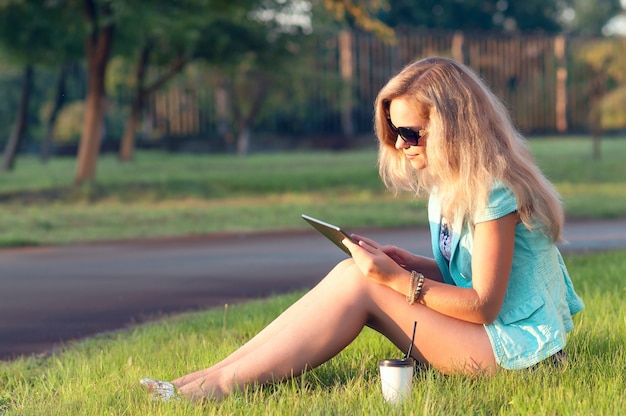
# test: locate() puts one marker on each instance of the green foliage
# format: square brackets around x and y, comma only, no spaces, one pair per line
[613,114]
[475,15]
[40,32]
[169,29]
[261,63]
[581,17]
[9,76]
[604,60]
[69,123]
[227,39]
[589,17]
[360,14]
[100,376]
[605,56]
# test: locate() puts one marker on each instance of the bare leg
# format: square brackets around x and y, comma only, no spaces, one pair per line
[294,312]
[326,320]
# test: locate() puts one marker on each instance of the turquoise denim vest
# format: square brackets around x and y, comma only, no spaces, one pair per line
[540,299]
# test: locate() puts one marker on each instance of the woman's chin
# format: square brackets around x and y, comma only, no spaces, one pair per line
[418,163]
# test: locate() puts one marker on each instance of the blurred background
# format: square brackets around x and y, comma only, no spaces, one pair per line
[153,119]
[82,77]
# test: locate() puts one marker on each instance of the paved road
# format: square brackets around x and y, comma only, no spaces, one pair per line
[53,294]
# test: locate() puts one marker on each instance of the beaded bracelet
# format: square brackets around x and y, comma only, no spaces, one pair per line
[420,286]
[415,287]
[412,286]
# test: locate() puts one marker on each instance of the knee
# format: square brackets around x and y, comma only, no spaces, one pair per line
[347,276]
[347,266]
[342,267]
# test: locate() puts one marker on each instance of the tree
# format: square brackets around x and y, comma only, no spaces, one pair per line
[605,60]
[362,14]
[269,58]
[100,21]
[160,41]
[142,91]
[20,124]
[103,18]
[33,35]
[248,44]
[58,103]
[170,37]
[475,15]
[588,18]
[255,54]
[581,17]
[245,42]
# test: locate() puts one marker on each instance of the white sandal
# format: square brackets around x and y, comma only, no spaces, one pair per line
[161,390]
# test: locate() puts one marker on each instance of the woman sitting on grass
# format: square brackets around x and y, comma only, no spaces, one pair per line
[495,295]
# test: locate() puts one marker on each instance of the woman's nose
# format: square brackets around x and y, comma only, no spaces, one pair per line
[400,143]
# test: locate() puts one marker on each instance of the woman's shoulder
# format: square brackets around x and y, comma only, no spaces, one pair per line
[500,202]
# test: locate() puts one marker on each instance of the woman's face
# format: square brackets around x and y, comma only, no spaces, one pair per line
[404,115]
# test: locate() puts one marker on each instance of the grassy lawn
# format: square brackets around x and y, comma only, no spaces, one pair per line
[173,195]
[100,376]
[181,194]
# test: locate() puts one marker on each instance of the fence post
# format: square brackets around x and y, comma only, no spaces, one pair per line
[561,84]
[346,69]
[457,46]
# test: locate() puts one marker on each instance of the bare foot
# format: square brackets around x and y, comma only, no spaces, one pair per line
[200,390]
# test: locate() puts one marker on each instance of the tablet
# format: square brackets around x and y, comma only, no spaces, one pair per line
[332,232]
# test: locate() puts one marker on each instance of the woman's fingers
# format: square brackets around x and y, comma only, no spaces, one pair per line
[369,241]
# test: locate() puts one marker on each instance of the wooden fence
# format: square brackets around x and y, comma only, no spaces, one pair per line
[551,84]
[543,80]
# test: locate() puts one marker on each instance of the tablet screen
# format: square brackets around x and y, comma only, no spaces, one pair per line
[330,231]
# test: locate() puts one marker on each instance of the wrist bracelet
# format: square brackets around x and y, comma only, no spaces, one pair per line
[415,287]
[412,286]
[418,288]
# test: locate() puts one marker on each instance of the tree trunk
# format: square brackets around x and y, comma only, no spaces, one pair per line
[596,132]
[128,139]
[59,100]
[13,144]
[256,96]
[222,109]
[243,141]
[98,49]
[127,146]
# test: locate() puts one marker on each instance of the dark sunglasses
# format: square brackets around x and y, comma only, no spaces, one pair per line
[410,136]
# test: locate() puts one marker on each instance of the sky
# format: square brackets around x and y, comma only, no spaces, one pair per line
[617,25]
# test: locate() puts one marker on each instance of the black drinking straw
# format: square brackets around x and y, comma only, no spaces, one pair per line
[408,353]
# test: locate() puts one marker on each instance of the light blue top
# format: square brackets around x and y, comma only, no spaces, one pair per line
[540,300]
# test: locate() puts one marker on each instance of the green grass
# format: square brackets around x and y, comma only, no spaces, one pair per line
[171,195]
[174,195]
[590,188]
[100,376]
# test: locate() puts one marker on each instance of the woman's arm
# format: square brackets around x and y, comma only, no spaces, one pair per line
[492,258]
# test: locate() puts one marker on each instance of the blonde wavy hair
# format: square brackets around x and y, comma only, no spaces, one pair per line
[470,143]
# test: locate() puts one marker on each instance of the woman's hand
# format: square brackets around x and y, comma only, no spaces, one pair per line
[400,256]
[374,261]
[405,259]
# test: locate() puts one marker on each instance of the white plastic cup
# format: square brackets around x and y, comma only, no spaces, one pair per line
[396,377]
